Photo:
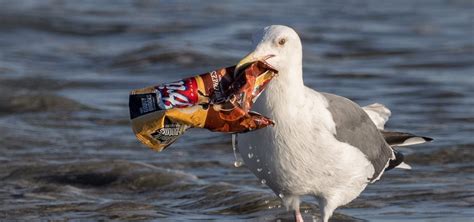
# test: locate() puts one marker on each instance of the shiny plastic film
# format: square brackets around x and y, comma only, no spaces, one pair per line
[219,101]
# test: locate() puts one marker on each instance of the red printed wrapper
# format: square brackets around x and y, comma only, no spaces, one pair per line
[219,101]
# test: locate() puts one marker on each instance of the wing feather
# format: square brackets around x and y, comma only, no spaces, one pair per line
[354,126]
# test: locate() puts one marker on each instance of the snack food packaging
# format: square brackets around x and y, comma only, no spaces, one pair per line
[219,101]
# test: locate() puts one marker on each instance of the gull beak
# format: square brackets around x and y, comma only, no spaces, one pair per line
[247,60]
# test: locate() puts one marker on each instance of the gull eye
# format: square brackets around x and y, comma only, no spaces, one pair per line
[281,42]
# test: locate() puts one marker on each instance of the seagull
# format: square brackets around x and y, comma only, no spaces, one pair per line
[322,145]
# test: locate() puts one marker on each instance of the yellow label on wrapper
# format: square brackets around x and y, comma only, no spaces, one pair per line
[218,101]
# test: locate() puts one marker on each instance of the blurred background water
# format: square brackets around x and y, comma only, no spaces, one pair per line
[66,67]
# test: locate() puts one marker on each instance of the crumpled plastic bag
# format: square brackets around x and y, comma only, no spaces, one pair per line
[219,101]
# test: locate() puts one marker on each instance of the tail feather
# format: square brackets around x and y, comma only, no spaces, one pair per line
[395,139]
[403,139]
[395,162]
[379,114]
[403,165]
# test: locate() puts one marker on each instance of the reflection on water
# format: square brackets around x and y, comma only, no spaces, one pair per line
[66,68]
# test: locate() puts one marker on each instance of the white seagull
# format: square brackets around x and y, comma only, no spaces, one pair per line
[322,144]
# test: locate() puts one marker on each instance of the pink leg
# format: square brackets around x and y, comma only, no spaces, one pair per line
[298,217]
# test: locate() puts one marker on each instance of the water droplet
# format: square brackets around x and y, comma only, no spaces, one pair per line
[278,220]
[281,195]
[267,201]
[269,172]
[258,160]
[238,163]
[250,155]
[238,159]
[263,181]
[250,147]
[306,211]
[259,169]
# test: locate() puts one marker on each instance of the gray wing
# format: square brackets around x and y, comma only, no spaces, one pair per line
[354,126]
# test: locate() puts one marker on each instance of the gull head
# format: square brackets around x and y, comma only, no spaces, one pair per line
[279,46]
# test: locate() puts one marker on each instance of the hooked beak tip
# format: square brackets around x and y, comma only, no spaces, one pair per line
[247,60]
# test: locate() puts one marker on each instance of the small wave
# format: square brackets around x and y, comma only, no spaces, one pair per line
[31,101]
[367,53]
[436,65]
[120,210]
[59,24]
[185,58]
[155,53]
[115,174]
[353,75]
[457,154]
[46,84]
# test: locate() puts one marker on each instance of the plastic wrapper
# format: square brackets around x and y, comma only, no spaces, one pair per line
[219,101]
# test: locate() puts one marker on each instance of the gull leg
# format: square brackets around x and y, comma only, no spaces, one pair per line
[298,217]
[326,214]
[326,209]
[292,202]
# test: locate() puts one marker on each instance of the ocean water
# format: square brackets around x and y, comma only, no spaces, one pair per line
[66,67]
